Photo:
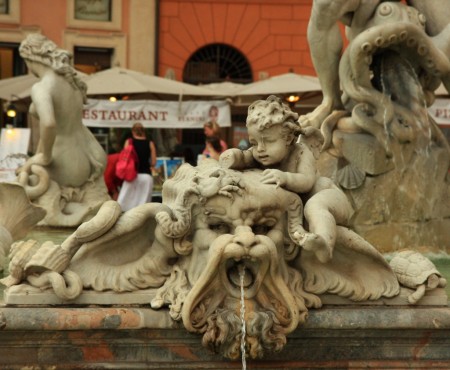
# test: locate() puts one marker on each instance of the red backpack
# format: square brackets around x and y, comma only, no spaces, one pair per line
[126,167]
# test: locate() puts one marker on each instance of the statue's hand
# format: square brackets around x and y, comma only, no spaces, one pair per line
[233,158]
[276,177]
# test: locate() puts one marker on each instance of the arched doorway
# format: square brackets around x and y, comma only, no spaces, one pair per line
[209,64]
[217,63]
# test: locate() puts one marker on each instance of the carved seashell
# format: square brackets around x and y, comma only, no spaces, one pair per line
[18,214]
[21,253]
[350,176]
[49,257]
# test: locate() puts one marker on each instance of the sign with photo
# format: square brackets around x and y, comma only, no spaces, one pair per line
[156,113]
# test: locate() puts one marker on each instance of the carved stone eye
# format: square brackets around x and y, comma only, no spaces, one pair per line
[220,228]
[261,229]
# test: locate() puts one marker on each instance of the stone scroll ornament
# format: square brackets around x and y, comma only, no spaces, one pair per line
[65,175]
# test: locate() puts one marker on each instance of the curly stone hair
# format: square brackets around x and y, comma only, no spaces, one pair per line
[38,48]
[271,112]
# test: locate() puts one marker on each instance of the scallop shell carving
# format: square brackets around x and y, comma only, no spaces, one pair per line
[18,214]
[49,257]
[21,253]
[350,176]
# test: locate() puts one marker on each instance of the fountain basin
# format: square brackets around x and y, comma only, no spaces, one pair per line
[139,337]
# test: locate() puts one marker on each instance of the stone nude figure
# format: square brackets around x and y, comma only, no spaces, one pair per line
[65,175]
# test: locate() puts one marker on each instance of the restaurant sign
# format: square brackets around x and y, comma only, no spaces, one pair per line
[440,111]
[156,113]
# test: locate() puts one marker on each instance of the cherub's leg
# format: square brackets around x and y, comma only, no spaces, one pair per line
[323,212]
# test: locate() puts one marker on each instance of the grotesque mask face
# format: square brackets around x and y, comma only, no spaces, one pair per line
[238,263]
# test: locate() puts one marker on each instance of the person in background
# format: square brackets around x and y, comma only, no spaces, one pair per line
[213,147]
[212,129]
[113,183]
[139,191]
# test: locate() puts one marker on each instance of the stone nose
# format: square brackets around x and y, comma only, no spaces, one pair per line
[245,237]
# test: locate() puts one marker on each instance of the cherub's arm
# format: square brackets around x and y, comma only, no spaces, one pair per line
[299,174]
[237,159]
[305,177]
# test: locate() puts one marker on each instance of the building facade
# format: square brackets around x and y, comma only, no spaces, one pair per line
[196,41]
[257,38]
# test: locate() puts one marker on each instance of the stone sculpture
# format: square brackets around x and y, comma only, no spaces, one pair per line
[380,144]
[17,217]
[65,175]
[238,251]
[416,272]
[223,239]
[214,225]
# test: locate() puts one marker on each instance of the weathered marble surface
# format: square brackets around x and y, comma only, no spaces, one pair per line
[17,217]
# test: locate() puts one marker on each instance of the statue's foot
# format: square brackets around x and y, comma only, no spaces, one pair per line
[316,117]
[315,243]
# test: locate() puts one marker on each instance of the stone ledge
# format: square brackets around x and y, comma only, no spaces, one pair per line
[127,337]
[132,318]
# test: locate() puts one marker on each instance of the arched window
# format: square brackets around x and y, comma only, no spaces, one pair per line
[216,63]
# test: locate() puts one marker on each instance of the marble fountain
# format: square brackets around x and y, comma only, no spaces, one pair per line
[309,250]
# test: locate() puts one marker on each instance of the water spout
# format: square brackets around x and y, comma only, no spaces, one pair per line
[242,279]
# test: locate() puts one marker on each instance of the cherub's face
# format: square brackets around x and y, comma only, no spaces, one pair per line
[269,146]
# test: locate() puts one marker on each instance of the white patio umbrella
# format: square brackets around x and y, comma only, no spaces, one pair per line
[125,81]
[225,88]
[19,87]
[15,88]
[282,84]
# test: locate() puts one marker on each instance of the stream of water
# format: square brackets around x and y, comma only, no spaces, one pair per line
[242,276]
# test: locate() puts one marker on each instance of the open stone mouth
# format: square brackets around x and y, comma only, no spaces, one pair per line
[235,269]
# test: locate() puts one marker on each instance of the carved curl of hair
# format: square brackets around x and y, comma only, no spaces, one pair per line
[271,112]
[38,48]
[191,186]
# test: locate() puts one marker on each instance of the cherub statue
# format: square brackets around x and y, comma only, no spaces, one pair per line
[273,132]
